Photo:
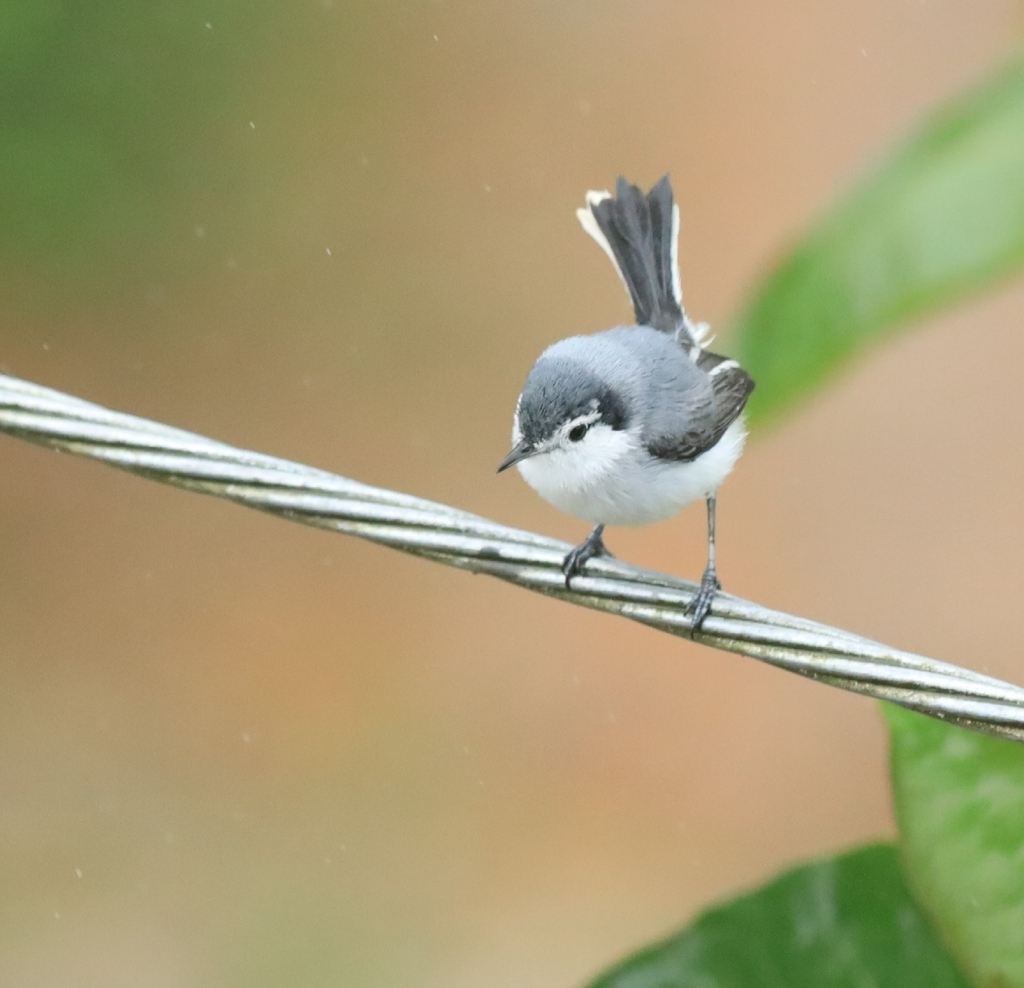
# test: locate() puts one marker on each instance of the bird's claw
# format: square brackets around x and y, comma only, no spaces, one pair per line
[577,558]
[700,606]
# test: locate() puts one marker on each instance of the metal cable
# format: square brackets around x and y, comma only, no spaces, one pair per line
[457,538]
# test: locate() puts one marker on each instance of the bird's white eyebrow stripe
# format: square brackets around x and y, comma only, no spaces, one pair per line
[587,419]
[724,365]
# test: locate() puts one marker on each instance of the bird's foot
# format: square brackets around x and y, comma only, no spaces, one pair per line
[700,606]
[576,558]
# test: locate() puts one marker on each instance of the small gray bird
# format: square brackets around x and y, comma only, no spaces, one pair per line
[628,426]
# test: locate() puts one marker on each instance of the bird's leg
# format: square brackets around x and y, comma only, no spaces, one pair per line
[709,585]
[591,546]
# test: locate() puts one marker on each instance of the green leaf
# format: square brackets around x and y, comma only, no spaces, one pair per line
[848,922]
[960,806]
[943,217]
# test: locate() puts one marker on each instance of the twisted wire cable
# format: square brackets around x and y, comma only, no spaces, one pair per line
[456,538]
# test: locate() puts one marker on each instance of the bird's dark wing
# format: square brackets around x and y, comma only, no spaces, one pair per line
[730,388]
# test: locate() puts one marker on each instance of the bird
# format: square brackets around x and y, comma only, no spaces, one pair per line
[630,425]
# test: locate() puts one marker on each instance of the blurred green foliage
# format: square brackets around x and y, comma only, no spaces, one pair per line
[846,923]
[960,807]
[126,129]
[851,920]
[942,217]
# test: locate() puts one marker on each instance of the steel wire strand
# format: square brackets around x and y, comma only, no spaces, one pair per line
[457,538]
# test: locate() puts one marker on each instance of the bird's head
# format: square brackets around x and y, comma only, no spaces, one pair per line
[566,412]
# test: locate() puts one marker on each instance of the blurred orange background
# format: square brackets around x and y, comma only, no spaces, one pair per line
[241,752]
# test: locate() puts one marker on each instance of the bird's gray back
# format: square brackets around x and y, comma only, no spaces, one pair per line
[662,392]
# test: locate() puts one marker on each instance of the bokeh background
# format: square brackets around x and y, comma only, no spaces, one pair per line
[237,752]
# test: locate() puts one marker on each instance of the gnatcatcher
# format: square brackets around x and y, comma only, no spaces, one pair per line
[628,426]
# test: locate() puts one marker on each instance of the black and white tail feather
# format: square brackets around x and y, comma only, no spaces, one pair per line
[640,235]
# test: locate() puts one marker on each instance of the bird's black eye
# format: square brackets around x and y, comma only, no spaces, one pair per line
[577,432]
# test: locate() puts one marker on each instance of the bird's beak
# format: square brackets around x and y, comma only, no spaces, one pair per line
[520,451]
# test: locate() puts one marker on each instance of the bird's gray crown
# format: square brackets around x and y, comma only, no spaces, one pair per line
[560,389]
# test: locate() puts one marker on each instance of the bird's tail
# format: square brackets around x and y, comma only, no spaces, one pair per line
[640,234]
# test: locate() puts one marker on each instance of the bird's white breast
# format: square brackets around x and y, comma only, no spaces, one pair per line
[611,479]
